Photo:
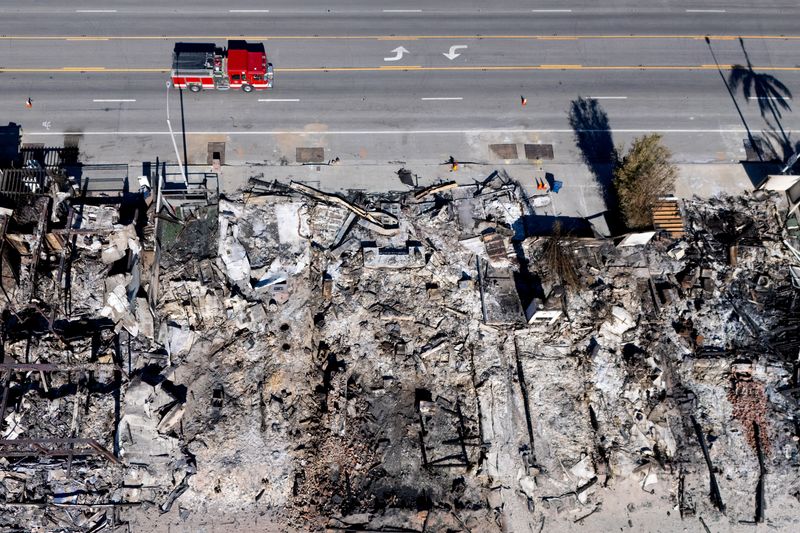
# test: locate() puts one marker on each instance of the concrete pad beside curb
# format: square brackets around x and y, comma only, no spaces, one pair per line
[707,180]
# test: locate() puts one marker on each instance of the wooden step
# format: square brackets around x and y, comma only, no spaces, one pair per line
[667,217]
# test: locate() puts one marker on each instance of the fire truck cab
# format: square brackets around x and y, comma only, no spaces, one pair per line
[242,65]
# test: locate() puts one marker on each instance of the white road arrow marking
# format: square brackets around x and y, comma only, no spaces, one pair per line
[399,51]
[451,55]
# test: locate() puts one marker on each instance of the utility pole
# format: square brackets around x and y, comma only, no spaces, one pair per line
[175,144]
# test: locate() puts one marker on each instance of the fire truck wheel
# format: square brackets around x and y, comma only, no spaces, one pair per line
[195,88]
[247,88]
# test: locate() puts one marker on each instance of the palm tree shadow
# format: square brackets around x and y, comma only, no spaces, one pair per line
[593,137]
[751,139]
[779,146]
[771,94]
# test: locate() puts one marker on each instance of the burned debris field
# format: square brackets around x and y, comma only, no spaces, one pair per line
[438,359]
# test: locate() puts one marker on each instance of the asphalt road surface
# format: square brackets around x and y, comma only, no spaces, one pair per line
[384,80]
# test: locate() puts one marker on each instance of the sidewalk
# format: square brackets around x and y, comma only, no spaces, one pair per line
[580,195]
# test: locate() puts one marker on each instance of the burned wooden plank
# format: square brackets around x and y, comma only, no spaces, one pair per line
[762,471]
[716,497]
[51,447]
[435,189]
[462,432]
[525,404]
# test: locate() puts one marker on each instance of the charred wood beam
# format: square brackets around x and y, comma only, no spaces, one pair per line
[4,227]
[434,189]
[716,497]
[269,187]
[480,285]
[49,367]
[654,295]
[762,471]
[462,431]
[62,264]
[587,515]
[6,391]
[364,529]
[333,199]
[82,231]
[64,504]
[52,448]
[176,493]
[36,248]
[451,457]
[572,492]
[422,441]
[525,404]
[465,440]
[476,387]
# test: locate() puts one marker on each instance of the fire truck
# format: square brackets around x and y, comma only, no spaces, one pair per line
[242,65]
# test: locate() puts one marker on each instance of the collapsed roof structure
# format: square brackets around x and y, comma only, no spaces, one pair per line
[292,360]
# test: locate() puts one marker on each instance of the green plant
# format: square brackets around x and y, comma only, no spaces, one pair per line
[643,175]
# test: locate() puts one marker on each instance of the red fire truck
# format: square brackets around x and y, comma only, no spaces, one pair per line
[242,65]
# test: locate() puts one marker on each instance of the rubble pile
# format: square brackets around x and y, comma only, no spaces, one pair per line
[71,284]
[444,359]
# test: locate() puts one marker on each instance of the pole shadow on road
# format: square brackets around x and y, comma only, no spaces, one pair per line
[594,139]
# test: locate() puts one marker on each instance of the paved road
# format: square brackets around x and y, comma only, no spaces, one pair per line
[650,69]
[315,53]
[414,17]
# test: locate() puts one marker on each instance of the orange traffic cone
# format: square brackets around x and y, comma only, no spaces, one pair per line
[29,103]
[524,100]
[539,186]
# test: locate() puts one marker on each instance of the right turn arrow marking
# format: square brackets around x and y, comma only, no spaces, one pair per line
[399,51]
